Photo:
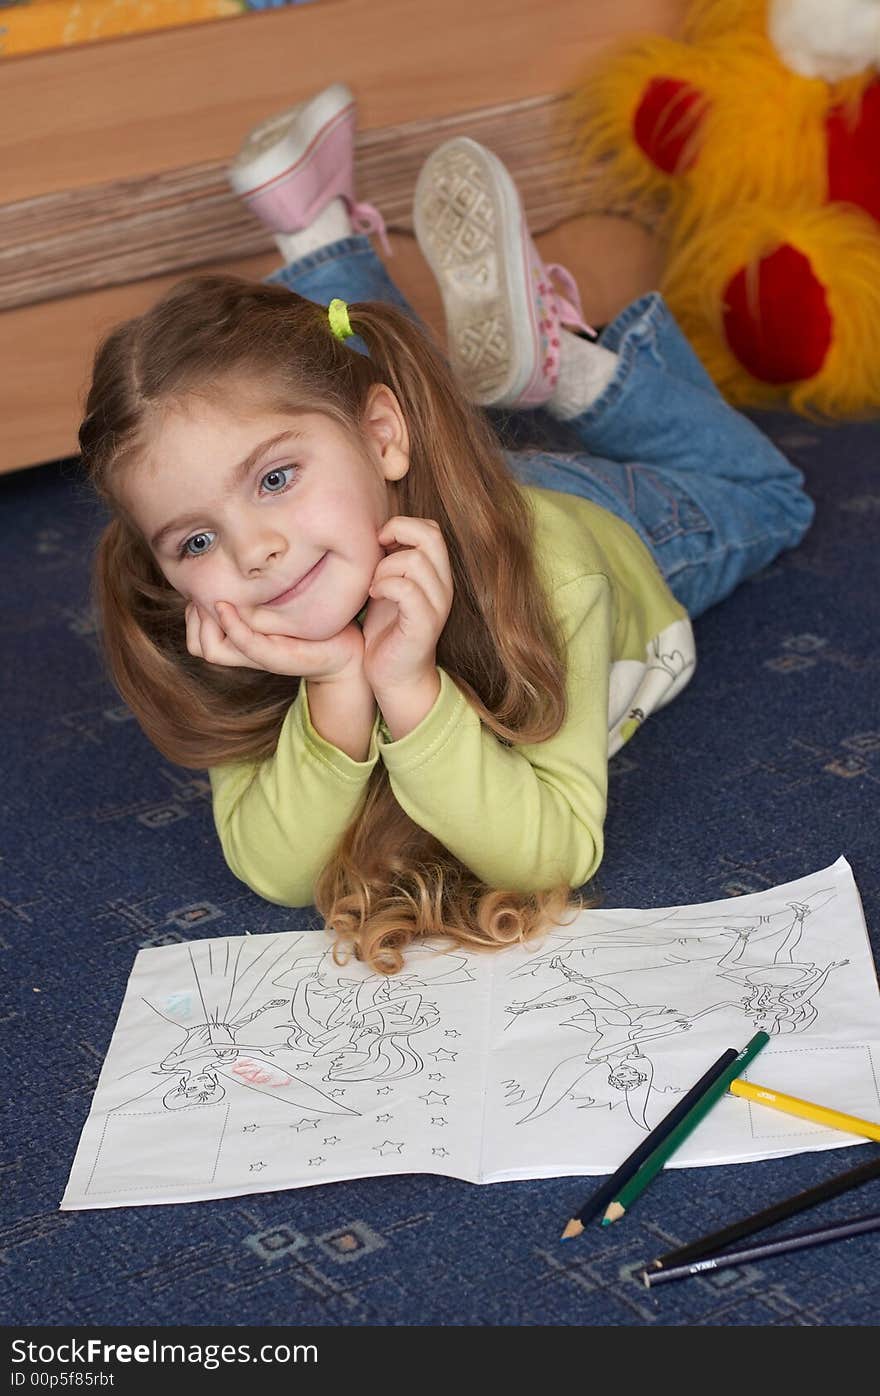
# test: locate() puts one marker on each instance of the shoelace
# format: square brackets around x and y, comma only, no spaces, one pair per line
[570,310]
[368,220]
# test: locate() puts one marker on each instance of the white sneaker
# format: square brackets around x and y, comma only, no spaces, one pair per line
[292,165]
[502,311]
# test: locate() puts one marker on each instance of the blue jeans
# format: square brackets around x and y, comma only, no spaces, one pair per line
[709,494]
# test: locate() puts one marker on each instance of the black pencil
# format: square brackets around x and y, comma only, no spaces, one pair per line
[799,1241]
[609,1190]
[799,1202]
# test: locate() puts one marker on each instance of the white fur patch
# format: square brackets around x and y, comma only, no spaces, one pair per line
[830,39]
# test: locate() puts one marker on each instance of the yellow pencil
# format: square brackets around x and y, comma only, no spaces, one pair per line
[819,1114]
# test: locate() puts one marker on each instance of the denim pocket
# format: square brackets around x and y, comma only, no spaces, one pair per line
[653,502]
[664,508]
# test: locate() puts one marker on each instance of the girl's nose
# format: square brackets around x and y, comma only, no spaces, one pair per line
[258,545]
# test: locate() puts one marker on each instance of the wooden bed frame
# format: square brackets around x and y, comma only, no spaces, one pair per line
[113,154]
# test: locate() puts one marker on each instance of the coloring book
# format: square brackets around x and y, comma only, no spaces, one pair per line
[249,1064]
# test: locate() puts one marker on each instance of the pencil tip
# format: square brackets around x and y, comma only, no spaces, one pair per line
[573,1228]
[613,1213]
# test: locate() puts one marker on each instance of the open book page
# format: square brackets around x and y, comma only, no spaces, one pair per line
[597,1036]
[254,1063]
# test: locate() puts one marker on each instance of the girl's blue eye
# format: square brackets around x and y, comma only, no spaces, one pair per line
[185,550]
[275,482]
[277,471]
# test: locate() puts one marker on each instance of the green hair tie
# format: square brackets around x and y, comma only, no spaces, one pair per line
[337,313]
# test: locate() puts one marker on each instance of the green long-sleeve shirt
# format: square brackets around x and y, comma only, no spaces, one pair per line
[522,817]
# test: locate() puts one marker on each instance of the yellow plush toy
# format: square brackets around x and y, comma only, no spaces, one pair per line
[759,134]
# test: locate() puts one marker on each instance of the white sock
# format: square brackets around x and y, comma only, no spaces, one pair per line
[331,224]
[585,370]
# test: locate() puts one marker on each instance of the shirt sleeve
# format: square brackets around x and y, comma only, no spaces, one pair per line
[524,817]
[279,820]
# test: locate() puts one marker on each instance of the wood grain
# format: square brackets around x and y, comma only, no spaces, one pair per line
[77,240]
[112,158]
[172,99]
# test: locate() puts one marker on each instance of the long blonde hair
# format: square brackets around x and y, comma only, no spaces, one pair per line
[388,880]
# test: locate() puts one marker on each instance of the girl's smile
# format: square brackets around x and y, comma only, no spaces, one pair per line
[299,586]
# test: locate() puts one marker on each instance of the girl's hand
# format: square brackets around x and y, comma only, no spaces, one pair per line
[412,593]
[255,645]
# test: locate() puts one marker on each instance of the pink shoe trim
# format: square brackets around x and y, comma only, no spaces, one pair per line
[324,134]
[571,312]
[539,386]
[549,312]
[294,196]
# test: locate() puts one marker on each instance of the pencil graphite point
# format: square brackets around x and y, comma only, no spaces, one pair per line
[573,1228]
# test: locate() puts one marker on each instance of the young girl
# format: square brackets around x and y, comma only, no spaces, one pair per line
[404,655]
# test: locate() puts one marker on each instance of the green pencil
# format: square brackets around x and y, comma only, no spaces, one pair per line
[655,1161]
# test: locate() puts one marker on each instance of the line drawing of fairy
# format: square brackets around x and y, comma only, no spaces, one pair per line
[216,1042]
[675,936]
[210,1055]
[293,1010]
[618,1029]
[761,957]
[779,989]
[363,1025]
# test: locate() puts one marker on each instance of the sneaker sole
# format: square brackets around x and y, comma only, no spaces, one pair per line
[470,226]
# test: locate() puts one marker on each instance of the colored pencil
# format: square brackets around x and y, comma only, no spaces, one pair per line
[799,1202]
[607,1192]
[797,1242]
[655,1161]
[792,1105]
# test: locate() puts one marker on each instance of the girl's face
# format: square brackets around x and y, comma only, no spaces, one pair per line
[241,507]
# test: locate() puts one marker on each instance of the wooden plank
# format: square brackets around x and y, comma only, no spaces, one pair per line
[103,235]
[129,107]
[128,110]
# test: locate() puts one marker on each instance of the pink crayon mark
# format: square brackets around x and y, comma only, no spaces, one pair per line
[259,1075]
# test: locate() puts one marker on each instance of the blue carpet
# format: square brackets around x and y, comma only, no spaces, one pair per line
[761,772]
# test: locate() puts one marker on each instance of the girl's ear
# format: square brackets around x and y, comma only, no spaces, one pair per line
[384,428]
